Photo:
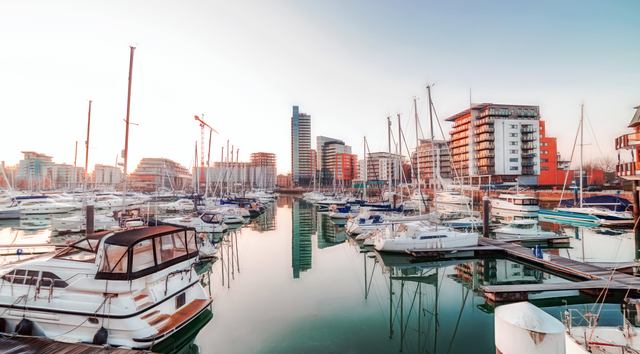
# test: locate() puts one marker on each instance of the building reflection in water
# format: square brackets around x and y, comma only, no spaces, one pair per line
[266,221]
[329,234]
[302,228]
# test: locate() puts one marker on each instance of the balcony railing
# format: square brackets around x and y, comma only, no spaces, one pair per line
[528,137]
[628,169]
[628,141]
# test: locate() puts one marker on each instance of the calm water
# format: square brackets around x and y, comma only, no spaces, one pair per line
[293,282]
[300,285]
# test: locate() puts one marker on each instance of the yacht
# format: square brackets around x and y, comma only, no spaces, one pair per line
[418,235]
[77,223]
[207,222]
[44,206]
[524,228]
[514,206]
[135,288]
[588,215]
[179,206]
[452,198]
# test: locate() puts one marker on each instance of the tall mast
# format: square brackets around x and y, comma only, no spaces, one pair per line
[126,134]
[366,168]
[433,144]
[399,136]
[86,147]
[75,164]
[581,147]
[415,111]
[389,166]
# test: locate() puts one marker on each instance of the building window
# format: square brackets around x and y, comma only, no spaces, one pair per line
[513,135]
[513,168]
[513,126]
[513,143]
[513,151]
[513,159]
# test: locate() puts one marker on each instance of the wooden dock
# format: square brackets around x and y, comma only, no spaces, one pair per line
[586,277]
[40,345]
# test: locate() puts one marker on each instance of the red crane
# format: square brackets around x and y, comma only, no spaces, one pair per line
[204,124]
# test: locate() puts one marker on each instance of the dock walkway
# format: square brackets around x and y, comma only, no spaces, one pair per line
[41,345]
[587,276]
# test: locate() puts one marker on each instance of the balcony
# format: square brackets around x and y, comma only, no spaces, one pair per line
[528,171]
[526,155]
[628,141]
[484,137]
[529,163]
[528,129]
[528,137]
[483,121]
[529,146]
[485,129]
[628,169]
[484,146]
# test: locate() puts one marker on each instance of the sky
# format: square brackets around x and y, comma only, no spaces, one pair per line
[349,64]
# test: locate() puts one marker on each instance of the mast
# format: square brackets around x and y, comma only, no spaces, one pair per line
[366,171]
[86,145]
[75,164]
[415,111]
[399,136]
[581,147]
[433,144]
[126,134]
[389,165]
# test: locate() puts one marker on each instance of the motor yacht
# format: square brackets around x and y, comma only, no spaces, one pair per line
[77,223]
[179,206]
[588,215]
[452,198]
[419,235]
[508,207]
[207,222]
[44,206]
[524,228]
[135,288]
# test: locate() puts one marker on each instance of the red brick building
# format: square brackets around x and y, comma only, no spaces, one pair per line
[550,173]
[346,167]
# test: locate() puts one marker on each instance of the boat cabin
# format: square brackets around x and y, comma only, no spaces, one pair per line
[139,252]
[518,199]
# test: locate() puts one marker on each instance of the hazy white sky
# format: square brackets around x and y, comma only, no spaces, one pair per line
[348,64]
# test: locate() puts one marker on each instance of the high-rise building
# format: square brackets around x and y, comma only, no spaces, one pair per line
[301,169]
[327,150]
[159,173]
[381,166]
[497,142]
[302,229]
[66,176]
[264,169]
[346,166]
[431,155]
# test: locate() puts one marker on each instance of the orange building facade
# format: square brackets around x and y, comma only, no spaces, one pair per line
[550,173]
[346,167]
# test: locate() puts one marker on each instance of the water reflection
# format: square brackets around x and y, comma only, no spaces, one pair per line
[302,227]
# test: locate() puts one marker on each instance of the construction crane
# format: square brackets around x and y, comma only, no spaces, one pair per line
[204,124]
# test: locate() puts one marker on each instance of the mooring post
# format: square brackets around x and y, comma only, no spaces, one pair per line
[636,203]
[89,225]
[485,216]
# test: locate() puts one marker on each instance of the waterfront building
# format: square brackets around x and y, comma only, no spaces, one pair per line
[553,171]
[105,176]
[264,169]
[327,150]
[628,166]
[381,166]
[67,176]
[301,168]
[153,174]
[345,168]
[34,171]
[284,181]
[431,154]
[497,143]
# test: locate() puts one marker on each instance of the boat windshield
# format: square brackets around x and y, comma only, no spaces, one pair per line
[83,250]
[524,226]
[126,259]
[525,201]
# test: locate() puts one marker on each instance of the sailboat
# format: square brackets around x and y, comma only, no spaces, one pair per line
[591,215]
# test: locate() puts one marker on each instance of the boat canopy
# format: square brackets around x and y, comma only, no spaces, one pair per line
[139,252]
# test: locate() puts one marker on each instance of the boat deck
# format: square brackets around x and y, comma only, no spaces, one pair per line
[40,345]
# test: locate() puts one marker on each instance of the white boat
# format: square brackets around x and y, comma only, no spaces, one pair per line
[9,212]
[207,222]
[313,197]
[135,288]
[514,206]
[589,215]
[523,328]
[418,235]
[179,206]
[77,223]
[19,243]
[44,206]
[469,222]
[525,228]
[452,198]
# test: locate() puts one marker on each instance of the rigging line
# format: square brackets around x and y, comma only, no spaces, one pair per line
[566,175]
[453,164]
[595,138]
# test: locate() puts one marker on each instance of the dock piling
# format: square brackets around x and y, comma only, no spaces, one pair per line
[485,216]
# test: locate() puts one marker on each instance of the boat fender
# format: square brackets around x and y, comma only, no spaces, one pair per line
[24,327]
[101,336]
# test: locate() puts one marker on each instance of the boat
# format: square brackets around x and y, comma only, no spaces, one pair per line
[44,206]
[418,235]
[508,207]
[18,243]
[135,288]
[77,223]
[207,222]
[344,212]
[469,222]
[589,215]
[524,328]
[452,198]
[525,228]
[179,206]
